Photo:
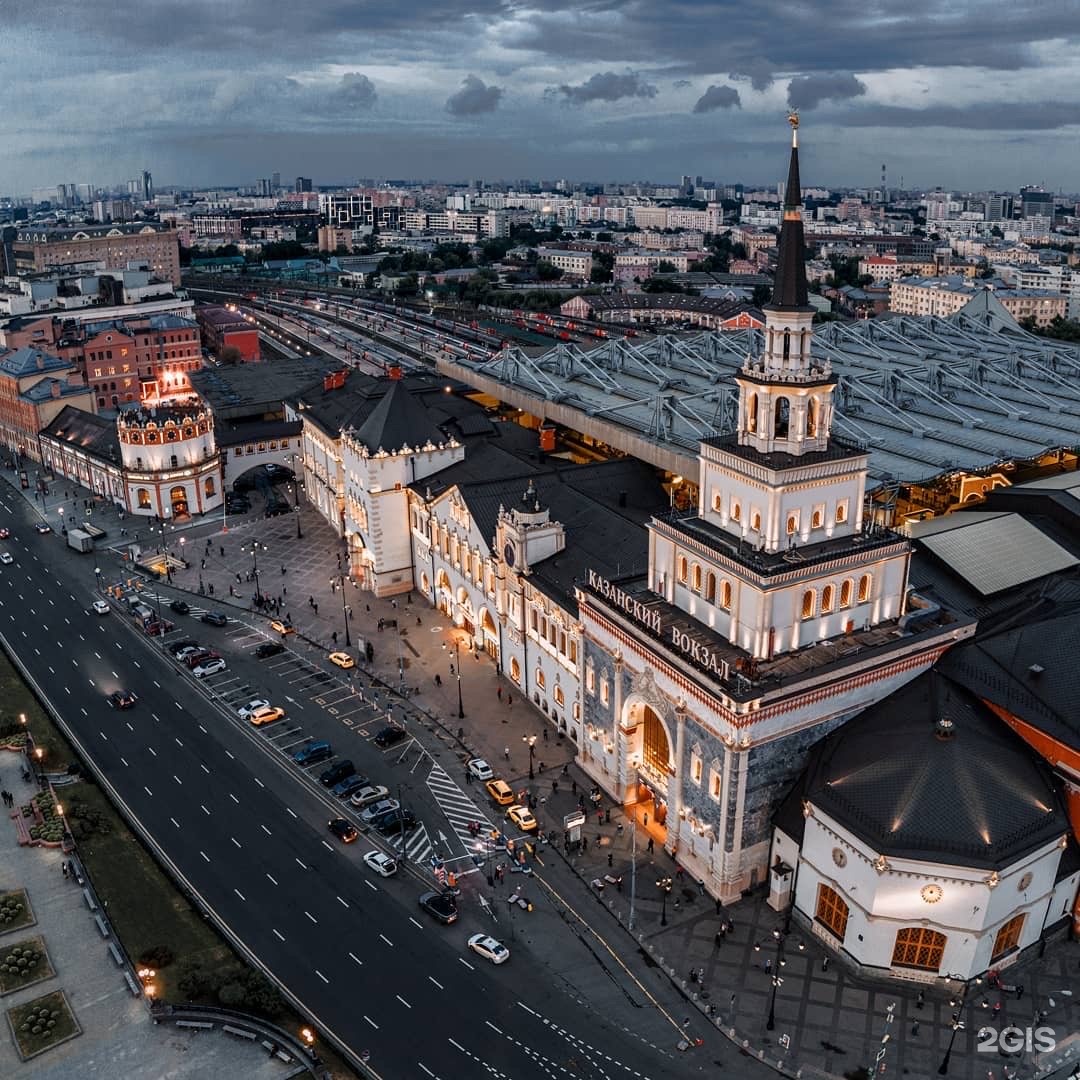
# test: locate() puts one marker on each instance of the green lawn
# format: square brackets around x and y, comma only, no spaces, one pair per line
[140,899]
[15,911]
[16,697]
[42,1023]
[22,963]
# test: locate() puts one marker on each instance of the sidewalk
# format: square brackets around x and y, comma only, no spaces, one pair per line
[828,1023]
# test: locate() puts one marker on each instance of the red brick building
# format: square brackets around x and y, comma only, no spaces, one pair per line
[224,329]
[34,387]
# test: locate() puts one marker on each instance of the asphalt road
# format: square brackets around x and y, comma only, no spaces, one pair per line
[240,827]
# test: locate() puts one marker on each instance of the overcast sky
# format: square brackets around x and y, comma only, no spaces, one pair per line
[964,94]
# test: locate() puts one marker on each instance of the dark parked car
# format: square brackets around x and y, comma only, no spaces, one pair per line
[336,773]
[122,699]
[393,821]
[180,607]
[344,830]
[273,509]
[390,736]
[176,647]
[344,788]
[313,753]
[269,648]
[441,906]
[215,618]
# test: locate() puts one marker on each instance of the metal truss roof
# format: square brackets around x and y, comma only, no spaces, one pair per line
[927,395]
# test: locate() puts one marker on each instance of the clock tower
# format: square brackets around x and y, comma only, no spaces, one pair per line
[526,535]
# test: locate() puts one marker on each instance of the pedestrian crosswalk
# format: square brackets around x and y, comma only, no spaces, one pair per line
[459,809]
[418,846]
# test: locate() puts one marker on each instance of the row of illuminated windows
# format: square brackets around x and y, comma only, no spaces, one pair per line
[915,946]
[262,447]
[704,582]
[830,600]
[142,495]
[697,771]
[791,524]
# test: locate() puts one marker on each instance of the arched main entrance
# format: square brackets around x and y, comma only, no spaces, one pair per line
[490,633]
[179,499]
[649,749]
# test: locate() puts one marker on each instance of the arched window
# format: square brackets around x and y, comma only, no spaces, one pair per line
[725,595]
[831,912]
[710,587]
[782,417]
[828,597]
[174,460]
[811,417]
[919,947]
[717,501]
[682,569]
[541,680]
[816,519]
[808,604]
[751,413]
[696,578]
[143,497]
[1008,937]
[208,486]
[864,588]
[792,524]
[534,621]
[515,670]
[560,698]
[787,344]
[845,594]
[841,512]
[755,522]
[736,510]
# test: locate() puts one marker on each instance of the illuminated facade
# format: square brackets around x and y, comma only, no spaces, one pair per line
[771,612]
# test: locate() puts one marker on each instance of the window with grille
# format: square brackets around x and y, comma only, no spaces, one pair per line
[919,947]
[864,588]
[1008,937]
[831,912]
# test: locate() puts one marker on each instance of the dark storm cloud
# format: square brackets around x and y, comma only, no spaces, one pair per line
[474,98]
[608,86]
[758,71]
[1035,116]
[356,91]
[809,91]
[718,97]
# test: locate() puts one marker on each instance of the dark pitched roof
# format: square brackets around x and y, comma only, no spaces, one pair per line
[94,434]
[981,798]
[789,286]
[1028,667]
[29,361]
[398,420]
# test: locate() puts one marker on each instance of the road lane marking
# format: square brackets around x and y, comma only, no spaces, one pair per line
[234,798]
[493,1027]
[240,894]
[125,762]
[300,864]
[177,779]
[204,768]
[203,730]
[258,781]
[230,756]
[204,810]
[436,982]
[322,976]
[277,935]
[327,846]
[403,1001]
[372,887]
[266,830]
[235,841]
[272,879]
[312,917]
[357,959]
[177,741]
[205,856]
[343,903]
[175,822]
[148,791]
[152,750]
[371,1022]
[129,727]
[387,940]
[290,811]
[466,963]
[415,923]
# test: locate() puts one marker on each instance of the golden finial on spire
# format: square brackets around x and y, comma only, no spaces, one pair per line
[793,120]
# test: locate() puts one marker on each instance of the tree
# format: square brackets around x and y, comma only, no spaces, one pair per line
[761,295]
[546,272]
[666,266]
[230,355]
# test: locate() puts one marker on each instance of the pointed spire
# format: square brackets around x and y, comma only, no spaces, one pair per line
[789,287]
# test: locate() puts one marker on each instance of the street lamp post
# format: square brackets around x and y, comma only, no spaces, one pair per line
[344,606]
[957,1024]
[531,741]
[778,937]
[664,885]
[255,546]
[296,510]
[39,753]
[457,675]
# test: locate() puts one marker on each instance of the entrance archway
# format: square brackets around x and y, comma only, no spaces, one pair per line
[649,748]
[178,498]
[490,633]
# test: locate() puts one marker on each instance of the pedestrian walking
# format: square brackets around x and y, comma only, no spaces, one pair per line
[333,637]
[282,569]
[202,565]
[63,867]
[238,578]
[545,734]
[316,607]
[506,753]
[599,817]
[573,785]
[438,679]
[678,873]
[914,1027]
[311,601]
[610,858]
[210,587]
[996,1010]
[701,887]
[223,551]
[768,967]
[554,787]
[718,905]
[649,846]
[1019,987]
[498,693]
[509,701]
[824,963]
[920,999]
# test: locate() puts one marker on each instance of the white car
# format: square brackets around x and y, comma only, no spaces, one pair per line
[480,769]
[368,794]
[245,711]
[6,558]
[102,607]
[381,863]
[211,667]
[489,948]
[377,809]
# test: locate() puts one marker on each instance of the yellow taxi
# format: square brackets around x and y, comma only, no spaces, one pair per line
[522,817]
[280,627]
[342,659]
[267,714]
[500,791]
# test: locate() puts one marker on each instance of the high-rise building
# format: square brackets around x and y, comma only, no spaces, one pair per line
[275,183]
[303,183]
[999,208]
[147,186]
[1035,202]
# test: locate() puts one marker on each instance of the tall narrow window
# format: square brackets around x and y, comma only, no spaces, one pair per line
[808,604]
[782,417]
[697,578]
[828,598]
[845,594]
[831,911]
[710,587]
[682,569]
[811,417]
[751,413]
[725,595]
[864,588]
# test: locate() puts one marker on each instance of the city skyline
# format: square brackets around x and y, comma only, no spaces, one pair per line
[482,88]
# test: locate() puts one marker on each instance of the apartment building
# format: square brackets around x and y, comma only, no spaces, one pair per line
[575,264]
[113,247]
[944,295]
